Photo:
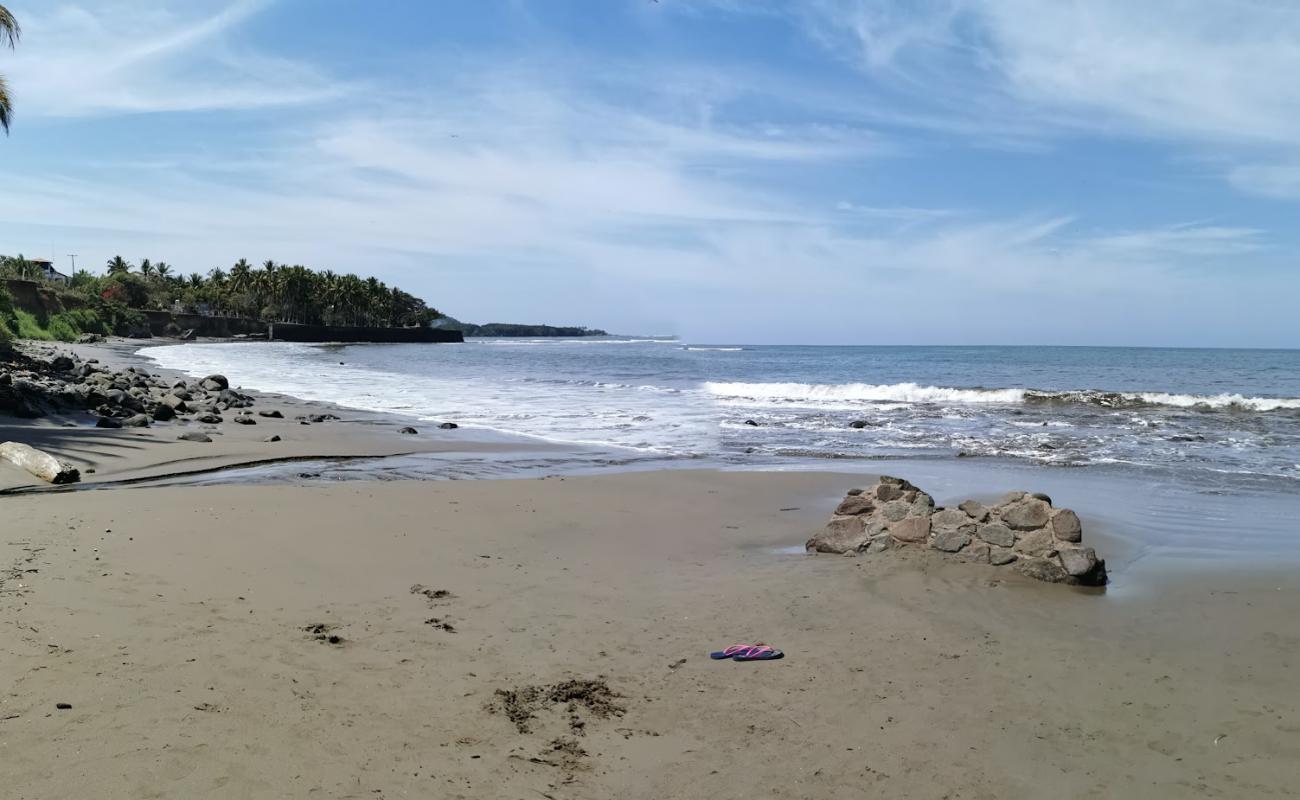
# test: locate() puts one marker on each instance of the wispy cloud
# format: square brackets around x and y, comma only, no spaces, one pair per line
[132,57]
[1214,77]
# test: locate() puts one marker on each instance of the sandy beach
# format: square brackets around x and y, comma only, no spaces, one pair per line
[189,630]
[126,455]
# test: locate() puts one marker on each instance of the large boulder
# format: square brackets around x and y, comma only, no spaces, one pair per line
[1066,526]
[841,535]
[913,530]
[1027,514]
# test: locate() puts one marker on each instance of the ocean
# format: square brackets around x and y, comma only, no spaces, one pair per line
[1226,417]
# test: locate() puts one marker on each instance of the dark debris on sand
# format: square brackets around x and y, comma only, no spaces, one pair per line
[431,594]
[576,695]
[323,632]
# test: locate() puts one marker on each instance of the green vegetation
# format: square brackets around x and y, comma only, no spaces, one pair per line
[111,303]
[272,292]
[8,321]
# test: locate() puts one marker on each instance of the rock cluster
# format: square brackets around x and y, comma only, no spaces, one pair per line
[32,387]
[1023,531]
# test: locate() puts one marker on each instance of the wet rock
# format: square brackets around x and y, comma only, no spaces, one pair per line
[1066,526]
[1078,561]
[175,402]
[244,420]
[751,423]
[194,436]
[162,413]
[408,430]
[108,422]
[271,413]
[860,424]
[210,419]
[136,421]
[449,426]
[1041,569]
[272,438]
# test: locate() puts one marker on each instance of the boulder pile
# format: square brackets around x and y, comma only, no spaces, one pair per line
[34,387]
[1023,531]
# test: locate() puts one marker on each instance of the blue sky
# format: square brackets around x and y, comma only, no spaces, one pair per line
[824,171]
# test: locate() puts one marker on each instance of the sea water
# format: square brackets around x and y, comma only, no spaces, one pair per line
[1228,417]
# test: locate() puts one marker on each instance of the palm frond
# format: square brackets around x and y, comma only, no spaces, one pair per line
[9,29]
[6,108]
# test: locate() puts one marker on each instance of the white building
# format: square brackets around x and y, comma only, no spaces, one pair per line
[48,271]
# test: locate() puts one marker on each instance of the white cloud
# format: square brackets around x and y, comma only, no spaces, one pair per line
[1216,77]
[121,57]
[1280,180]
[1185,239]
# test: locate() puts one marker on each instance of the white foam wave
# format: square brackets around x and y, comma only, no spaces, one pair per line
[841,394]
[558,340]
[1219,401]
[818,393]
[715,349]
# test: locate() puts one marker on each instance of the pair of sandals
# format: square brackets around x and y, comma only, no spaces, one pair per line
[747,652]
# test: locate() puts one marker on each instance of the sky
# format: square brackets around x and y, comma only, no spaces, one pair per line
[812,171]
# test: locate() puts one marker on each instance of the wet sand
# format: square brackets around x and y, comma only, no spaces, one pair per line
[173,620]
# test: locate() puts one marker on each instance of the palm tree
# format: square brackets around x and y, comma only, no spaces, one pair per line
[146,267]
[162,268]
[10,31]
[118,265]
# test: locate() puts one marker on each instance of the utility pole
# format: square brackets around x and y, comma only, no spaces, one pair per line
[73,256]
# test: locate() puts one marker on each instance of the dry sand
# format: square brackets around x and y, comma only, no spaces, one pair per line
[172,621]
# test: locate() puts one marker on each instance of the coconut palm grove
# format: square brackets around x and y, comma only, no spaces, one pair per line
[272,292]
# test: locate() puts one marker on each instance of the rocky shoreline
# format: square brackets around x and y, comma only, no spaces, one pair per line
[1022,530]
[32,387]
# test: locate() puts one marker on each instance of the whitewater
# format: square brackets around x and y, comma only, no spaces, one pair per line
[1179,412]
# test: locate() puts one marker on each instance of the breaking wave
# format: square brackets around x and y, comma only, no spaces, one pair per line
[841,393]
